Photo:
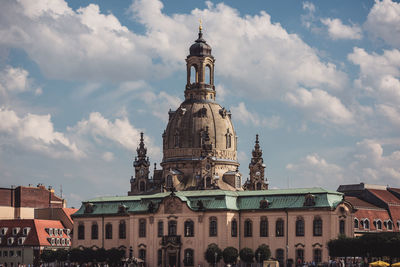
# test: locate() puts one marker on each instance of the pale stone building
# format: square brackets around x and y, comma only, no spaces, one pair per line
[197,198]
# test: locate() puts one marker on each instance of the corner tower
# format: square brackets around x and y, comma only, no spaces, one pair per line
[257,170]
[199,143]
[140,184]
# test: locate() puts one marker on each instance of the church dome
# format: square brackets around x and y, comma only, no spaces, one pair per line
[200,47]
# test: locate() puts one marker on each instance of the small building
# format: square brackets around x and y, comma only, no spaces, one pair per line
[377,207]
[22,241]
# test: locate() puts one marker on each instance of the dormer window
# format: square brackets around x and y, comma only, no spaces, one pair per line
[53,241]
[68,242]
[60,232]
[63,241]
[26,230]
[88,208]
[50,231]
[21,240]
[15,230]
[55,232]
[3,231]
[309,200]
[10,241]
[58,241]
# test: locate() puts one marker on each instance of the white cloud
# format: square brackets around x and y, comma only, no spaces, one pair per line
[379,79]
[108,156]
[242,114]
[14,80]
[308,19]
[102,130]
[36,132]
[320,106]
[313,170]
[259,55]
[337,30]
[383,22]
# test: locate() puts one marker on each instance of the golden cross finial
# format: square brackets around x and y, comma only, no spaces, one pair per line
[200,25]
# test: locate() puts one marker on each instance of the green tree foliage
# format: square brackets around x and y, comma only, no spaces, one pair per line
[114,256]
[246,255]
[48,256]
[76,255]
[262,253]
[209,255]
[373,245]
[230,255]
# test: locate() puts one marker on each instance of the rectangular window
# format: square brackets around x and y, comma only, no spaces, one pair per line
[142,228]
[342,229]
[279,230]
[234,228]
[160,229]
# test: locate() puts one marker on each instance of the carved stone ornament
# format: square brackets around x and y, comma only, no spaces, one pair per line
[172,205]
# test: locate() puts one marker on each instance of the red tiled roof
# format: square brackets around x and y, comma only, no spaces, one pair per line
[385,196]
[69,212]
[373,215]
[359,203]
[37,236]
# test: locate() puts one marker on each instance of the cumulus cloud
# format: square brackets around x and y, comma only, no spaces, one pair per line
[383,22]
[88,45]
[337,30]
[313,170]
[379,79]
[36,132]
[102,130]
[320,106]
[15,80]
[247,117]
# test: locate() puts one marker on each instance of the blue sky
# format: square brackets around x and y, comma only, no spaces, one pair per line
[79,80]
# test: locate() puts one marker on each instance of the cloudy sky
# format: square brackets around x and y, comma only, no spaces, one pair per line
[79,80]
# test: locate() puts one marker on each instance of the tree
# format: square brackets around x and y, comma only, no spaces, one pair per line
[114,256]
[212,251]
[48,256]
[76,255]
[100,255]
[230,255]
[61,255]
[262,253]
[246,255]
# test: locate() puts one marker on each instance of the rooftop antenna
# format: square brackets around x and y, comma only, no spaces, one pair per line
[61,190]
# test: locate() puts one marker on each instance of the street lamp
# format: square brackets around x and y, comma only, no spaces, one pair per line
[259,255]
[215,256]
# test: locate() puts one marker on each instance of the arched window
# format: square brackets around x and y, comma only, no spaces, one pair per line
[389,225]
[142,186]
[228,136]
[207,74]
[366,224]
[300,227]
[379,225]
[142,254]
[258,186]
[234,228]
[317,226]
[188,259]
[189,228]
[193,75]
[317,256]
[264,227]
[159,257]
[280,256]
[95,231]
[172,228]
[248,228]
[356,223]
[108,231]
[213,226]
[279,228]
[160,228]
[299,256]
[142,228]
[169,181]
[342,227]
[122,230]
[81,232]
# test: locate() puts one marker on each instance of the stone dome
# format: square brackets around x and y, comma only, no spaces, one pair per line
[196,123]
[200,47]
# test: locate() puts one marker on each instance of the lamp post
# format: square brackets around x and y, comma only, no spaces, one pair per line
[215,257]
[259,256]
